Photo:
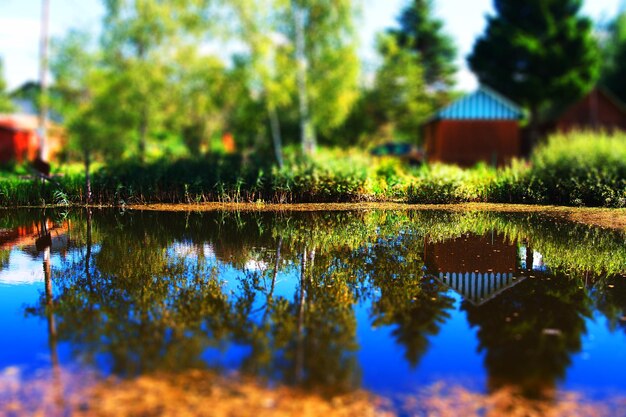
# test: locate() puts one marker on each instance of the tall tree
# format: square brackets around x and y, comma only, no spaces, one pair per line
[140,38]
[5,102]
[614,57]
[400,93]
[539,53]
[423,34]
[88,96]
[327,65]
[268,62]
[197,106]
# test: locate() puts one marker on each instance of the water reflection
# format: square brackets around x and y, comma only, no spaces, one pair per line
[277,296]
[530,332]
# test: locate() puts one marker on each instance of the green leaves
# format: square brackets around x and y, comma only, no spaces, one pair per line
[422,34]
[614,58]
[5,102]
[540,54]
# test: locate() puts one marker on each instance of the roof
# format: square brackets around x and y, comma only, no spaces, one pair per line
[21,122]
[478,288]
[598,90]
[27,107]
[483,104]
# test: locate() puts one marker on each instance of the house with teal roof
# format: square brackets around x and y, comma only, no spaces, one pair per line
[480,127]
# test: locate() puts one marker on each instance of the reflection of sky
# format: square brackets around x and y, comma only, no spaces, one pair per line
[538,264]
[24,343]
[452,355]
[602,354]
[23,269]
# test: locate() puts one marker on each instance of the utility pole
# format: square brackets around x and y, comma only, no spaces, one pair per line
[43,79]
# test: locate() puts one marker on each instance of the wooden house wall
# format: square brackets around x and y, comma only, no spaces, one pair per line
[467,142]
[17,145]
[595,111]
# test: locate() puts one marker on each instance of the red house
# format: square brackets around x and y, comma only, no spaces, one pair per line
[597,110]
[482,126]
[18,139]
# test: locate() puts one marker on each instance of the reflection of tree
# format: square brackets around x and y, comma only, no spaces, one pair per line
[5,258]
[415,305]
[310,339]
[529,333]
[125,299]
[610,299]
[326,325]
[417,309]
[129,297]
[135,307]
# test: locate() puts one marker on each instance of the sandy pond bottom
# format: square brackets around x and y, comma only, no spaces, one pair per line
[354,312]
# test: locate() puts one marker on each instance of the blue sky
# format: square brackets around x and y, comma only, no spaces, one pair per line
[464,21]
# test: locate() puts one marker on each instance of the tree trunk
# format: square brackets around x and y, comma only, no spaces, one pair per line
[143,133]
[276,266]
[87,178]
[276,136]
[307,130]
[88,253]
[299,374]
[532,137]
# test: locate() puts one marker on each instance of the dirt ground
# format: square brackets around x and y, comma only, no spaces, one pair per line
[199,393]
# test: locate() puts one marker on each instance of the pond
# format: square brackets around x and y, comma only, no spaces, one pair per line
[406,306]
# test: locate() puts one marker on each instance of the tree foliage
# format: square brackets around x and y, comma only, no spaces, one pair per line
[422,34]
[331,61]
[614,57]
[139,41]
[400,91]
[5,102]
[539,53]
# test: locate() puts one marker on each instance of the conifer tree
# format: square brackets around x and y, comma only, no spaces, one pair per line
[423,34]
[614,58]
[539,53]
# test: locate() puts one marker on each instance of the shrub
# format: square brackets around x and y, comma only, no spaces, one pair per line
[581,169]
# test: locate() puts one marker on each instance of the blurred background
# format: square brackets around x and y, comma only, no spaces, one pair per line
[92,83]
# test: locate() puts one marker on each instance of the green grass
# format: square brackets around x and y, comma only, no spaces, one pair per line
[580,169]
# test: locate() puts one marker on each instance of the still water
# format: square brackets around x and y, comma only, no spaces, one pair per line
[392,303]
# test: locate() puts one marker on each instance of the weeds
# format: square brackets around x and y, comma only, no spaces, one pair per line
[580,169]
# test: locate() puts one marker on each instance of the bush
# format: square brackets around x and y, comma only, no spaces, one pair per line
[581,169]
[576,169]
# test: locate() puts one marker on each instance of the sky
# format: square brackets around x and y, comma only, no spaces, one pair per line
[464,21]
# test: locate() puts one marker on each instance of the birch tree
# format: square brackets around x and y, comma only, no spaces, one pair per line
[140,38]
[327,65]
[268,60]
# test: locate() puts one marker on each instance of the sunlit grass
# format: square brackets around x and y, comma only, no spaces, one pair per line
[579,169]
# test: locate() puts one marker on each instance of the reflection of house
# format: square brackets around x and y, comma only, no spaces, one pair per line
[33,237]
[597,110]
[482,126]
[479,268]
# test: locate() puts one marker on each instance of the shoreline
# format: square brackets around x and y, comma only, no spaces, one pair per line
[608,218]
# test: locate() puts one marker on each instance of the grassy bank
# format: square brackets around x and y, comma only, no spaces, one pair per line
[580,169]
